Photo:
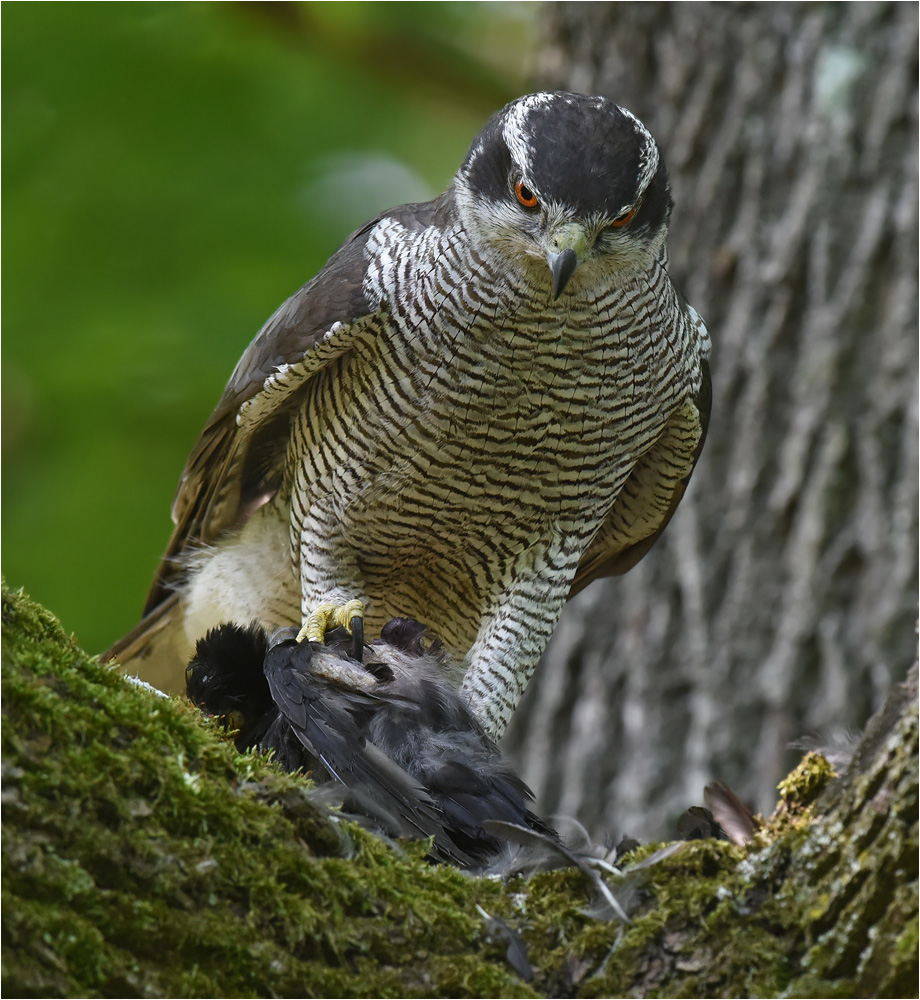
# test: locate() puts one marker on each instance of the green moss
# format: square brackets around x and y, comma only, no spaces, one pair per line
[144,856]
[803,786]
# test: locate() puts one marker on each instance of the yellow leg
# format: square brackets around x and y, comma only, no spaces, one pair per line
[328,616]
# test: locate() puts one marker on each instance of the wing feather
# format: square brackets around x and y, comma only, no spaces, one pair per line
[651,494]
[238,461]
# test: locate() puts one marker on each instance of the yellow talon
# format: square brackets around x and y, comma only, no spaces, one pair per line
[328,616]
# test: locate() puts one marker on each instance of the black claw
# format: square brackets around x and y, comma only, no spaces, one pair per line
[357,639]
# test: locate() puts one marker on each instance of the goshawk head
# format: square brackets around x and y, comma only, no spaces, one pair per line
[569,181]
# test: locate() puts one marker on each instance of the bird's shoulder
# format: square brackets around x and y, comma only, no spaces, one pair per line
[324,313]
[236,464]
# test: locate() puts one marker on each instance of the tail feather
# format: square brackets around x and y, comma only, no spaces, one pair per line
[156,650]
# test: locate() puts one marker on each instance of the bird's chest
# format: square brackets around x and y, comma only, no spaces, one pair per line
[484,414]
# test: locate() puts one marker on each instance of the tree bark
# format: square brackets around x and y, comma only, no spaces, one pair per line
[143,857]
[782,597]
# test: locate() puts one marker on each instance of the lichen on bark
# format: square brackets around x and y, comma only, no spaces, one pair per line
[142,856]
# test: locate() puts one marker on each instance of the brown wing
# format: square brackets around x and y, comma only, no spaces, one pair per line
[651,494]
[238,461]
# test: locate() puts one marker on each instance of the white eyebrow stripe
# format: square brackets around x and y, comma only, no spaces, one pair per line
[648,159]
[513,129]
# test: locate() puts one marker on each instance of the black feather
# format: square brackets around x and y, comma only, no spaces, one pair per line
[224,679]
[392,731]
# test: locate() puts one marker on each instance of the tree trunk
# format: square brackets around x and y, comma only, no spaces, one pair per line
[782,597]
[143,857]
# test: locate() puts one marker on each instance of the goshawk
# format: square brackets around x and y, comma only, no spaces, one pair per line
[479,405]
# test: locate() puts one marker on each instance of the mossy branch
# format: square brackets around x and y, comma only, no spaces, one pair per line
[142,856]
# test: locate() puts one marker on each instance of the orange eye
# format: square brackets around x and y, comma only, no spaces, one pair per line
[525,196]
[621,220]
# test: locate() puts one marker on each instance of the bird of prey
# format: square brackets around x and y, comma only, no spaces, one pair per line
[392,732]
[478,406]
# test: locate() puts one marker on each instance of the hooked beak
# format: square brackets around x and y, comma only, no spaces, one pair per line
[562,267]
[566,248]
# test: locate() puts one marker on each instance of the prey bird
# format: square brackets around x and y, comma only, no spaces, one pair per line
[480,404]
[388,728]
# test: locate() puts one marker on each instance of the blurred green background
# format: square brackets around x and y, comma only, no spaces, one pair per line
[172,172]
